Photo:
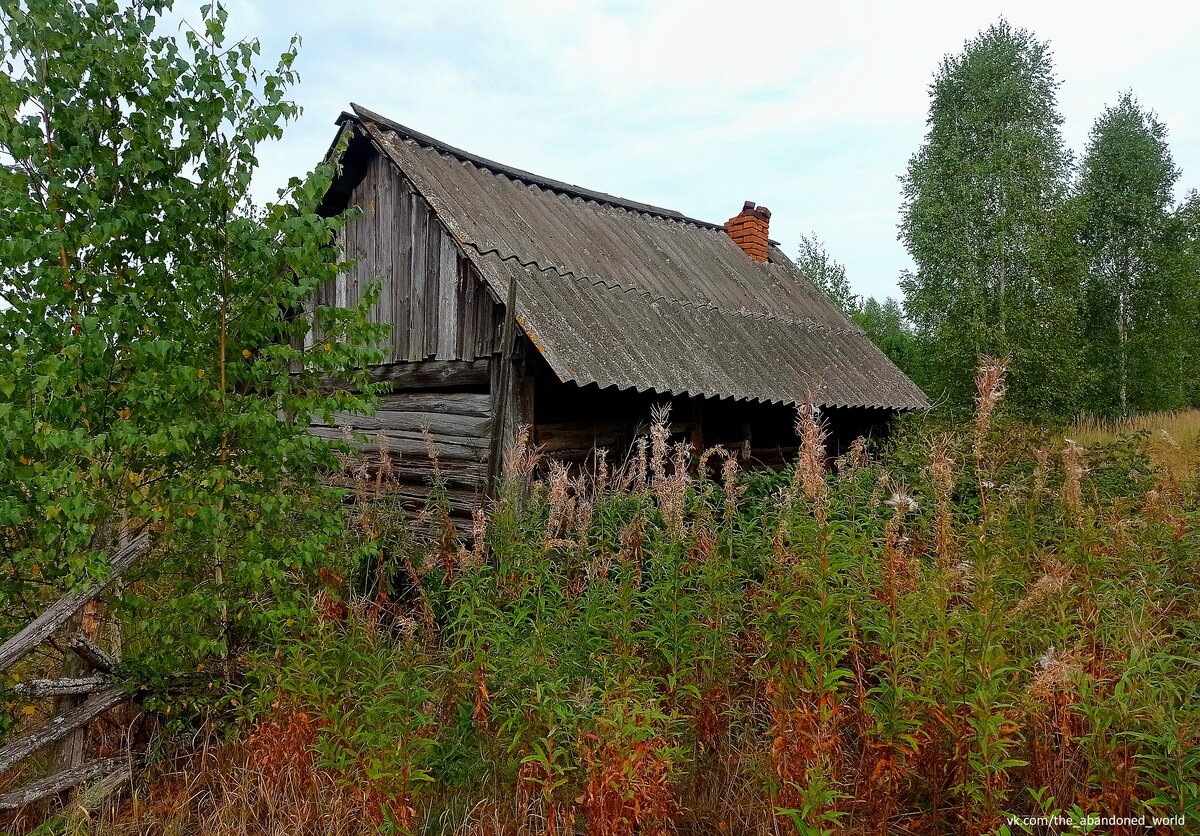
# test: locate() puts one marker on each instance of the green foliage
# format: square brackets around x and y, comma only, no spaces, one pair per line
[883,321]
[152,355]
[1134,293]
[885,324]
[1187,221]
[1087,284]
[828,274]
[983,218]
[815,656]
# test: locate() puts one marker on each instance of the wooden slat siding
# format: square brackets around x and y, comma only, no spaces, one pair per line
[487,327]
[385,241]
[339,283]
[401,229]
[433,273]
[356,234]
[365,241]
[416,312]
[436,302]
[467,306]
[447,316]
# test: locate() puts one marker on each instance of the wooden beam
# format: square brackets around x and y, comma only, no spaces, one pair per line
[14,752]
[501,393]
[91,655]
[99,771]
[35,689]
[427,374]
[93,795]
[38,630]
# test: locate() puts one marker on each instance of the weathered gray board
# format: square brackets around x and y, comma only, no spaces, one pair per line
[437,305]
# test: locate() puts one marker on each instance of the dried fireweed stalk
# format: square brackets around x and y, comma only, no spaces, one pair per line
[989,390]
[809,477]
[1041,470]
[660,432]
[853,459]
[1073,471]
[601,481]
[941,472]
[559,500]
[732,489]
[479,525]
[584,510]
[521,457]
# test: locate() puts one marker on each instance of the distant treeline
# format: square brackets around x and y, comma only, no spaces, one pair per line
[1084,273]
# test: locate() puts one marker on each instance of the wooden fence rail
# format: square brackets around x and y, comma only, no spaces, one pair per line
[40,629]
[99,691]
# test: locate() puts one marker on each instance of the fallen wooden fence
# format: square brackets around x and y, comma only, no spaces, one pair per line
[41,628]
[101,693]
[99,772]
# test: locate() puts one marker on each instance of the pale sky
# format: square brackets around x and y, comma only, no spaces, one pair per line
[810,109]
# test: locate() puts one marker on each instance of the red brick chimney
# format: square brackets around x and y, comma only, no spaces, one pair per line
[748,229]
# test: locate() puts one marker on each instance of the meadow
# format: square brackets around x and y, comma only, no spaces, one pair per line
[932,635]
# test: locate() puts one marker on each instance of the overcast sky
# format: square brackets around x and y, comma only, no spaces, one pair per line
[809,109]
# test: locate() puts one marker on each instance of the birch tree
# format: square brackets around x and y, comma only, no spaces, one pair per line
[983,220]
[1135,253]
[152,370]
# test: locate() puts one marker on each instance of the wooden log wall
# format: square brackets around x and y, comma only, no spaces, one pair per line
[430,292]
[456,420]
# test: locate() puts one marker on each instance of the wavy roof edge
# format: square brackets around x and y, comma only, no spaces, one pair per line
[364,114]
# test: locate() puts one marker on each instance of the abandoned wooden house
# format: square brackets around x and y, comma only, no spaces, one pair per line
[515,299]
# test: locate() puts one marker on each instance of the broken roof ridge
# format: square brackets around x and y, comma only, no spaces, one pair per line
[364,114]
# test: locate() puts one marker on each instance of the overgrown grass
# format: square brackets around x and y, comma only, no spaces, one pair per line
[925,640]
[1183,426]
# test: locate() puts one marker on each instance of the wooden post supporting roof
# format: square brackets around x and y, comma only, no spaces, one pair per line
[503,398]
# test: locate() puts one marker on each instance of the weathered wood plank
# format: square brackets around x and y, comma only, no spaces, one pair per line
[559,436]
[416,294]
[462,501]
[447,327]
[38,630]
[365,233]
[464,341]
[430,374]
[504,395]
[402,271]
[36,689]
[59,727]
[433,272]
[384,239]
[477,404]
[94,794]
[46,787]
[490,322]
[440,424]
[466,475]
[91,655]
[412,444]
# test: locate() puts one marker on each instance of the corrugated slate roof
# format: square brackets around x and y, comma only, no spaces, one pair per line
[625,294]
